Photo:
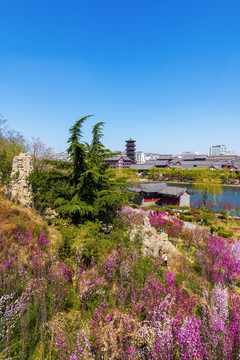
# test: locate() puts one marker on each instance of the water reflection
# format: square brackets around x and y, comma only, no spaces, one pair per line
[228,193]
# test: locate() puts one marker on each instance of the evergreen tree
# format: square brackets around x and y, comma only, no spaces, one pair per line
[77,150]
[96,149]
[84,189]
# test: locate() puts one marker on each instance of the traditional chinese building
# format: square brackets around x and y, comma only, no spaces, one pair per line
[119,162]
[160,194]
[130,150]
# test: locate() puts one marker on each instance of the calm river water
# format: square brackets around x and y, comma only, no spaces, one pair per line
[228,193]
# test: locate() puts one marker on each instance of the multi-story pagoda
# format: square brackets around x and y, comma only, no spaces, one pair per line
[130,149]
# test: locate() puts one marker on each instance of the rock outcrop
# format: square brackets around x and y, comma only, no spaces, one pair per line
[20,191]
[155,244]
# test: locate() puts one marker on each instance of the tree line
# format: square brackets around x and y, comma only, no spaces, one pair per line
[193,175]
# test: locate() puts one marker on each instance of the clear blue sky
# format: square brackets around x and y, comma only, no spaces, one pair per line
[165,73]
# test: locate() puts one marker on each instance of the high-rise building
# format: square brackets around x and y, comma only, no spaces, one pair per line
[140,157]
[217,150]
[130,149]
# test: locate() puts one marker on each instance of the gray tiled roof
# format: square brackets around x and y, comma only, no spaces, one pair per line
[187,166]
[150,187]
[218,167]
[173,191]
[176,158]
[164,157]
[225,157]
[178,166]
[190,162]
[198,163]
[190,157]
[126,158]
[156,162]
[153,187]
[141,166]
[161,162]
[158,187]
[150,162]
[116,158]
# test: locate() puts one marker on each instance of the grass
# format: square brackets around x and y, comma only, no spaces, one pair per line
[14,218]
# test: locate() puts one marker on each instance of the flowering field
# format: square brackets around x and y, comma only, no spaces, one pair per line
[100,298]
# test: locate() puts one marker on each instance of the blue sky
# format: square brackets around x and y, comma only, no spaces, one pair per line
[165,73]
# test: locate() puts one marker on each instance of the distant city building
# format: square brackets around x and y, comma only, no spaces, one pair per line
[183,153]
[217,150]
[130,150]
[167,157]
[61,156]
[119,152]
[140,157]
[150,156]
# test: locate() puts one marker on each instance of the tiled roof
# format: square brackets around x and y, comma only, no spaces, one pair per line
[126,158]
[116,158]
[159,188]
[161,162]
[173,191]
[151,187]
[216,166]
[150,162]
[154,187]
[177,165]
[190,162]
[190,157]
[224,156]
[164,157]
[141,166]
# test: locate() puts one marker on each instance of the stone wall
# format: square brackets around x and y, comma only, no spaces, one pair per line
[20,191]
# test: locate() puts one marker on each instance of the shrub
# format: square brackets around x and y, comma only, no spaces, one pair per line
[205,218]
[70,235]
[210,205]
[226,205]
[143,268]
[188,218]
[131,216]
[225,233]
[134,206]
[150,207]
[188,236]
[171,224]
[174,228]
[96,247]
[220,260]
[187,212]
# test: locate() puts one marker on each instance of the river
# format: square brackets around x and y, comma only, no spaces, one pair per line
[228,193]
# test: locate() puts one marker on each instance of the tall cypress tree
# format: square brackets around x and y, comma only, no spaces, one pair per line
[96,149]
[77,150]
[86,188]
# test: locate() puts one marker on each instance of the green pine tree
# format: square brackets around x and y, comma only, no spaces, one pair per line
[84,189]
